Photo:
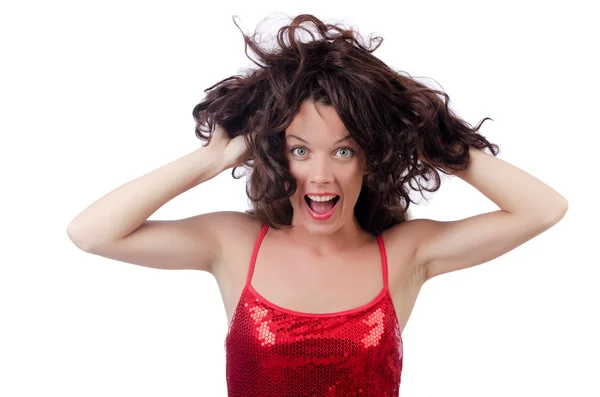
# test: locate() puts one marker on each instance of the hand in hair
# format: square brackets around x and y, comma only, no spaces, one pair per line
[233,152]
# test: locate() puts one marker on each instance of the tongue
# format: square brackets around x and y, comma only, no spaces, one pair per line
[321,207]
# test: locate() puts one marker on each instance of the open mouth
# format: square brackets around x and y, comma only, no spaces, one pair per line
[321,207]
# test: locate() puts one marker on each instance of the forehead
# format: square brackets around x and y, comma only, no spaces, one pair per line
[316,121]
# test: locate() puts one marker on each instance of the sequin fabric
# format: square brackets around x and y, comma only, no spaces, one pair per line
[275,352]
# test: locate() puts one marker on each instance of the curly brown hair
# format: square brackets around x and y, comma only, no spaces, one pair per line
[391,116]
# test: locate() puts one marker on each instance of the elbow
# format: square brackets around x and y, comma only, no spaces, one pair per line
[76,238]
[557,211]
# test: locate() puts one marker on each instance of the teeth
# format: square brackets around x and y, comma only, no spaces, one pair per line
[321,198]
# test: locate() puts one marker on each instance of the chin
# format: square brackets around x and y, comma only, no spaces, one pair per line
[327,227]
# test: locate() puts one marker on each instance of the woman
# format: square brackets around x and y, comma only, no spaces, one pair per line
[319,278]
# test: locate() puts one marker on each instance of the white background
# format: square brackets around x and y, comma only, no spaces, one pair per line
[95,94]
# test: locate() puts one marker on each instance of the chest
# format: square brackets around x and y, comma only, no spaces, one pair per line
[296,281]
[305,283]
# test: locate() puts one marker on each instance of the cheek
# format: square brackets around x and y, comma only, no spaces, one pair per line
[351,185]
[356,187]
[356,182]
[299,175]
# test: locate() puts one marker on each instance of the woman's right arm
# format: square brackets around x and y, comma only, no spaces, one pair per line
[116,226]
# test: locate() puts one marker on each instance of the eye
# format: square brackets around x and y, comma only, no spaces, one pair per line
[348,152]
[301,151]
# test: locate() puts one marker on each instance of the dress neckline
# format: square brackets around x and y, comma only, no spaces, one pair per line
[355,310]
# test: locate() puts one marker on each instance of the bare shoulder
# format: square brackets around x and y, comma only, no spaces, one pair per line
[411,232]
[234,232]
[230,226]
[402,242]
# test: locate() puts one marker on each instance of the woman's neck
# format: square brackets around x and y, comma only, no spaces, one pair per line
[350,235]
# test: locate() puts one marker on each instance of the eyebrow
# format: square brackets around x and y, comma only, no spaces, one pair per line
[336,142]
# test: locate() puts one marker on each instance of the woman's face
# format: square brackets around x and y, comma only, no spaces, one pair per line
[326,162]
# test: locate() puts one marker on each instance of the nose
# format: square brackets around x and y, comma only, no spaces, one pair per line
[321,172]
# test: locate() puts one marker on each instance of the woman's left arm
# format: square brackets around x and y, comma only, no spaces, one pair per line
[528,207]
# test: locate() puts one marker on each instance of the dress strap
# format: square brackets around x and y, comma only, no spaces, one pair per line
[259,239]
[384,264]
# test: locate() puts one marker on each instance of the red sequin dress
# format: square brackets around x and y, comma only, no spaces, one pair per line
[275,352]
